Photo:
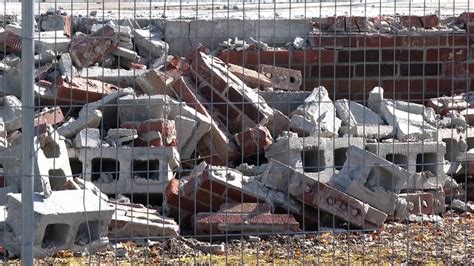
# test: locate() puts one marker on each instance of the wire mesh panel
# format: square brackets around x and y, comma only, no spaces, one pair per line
[216,132]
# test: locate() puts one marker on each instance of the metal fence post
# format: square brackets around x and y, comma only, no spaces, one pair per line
[27,56]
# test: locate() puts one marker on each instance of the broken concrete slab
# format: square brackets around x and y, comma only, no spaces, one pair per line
[319,111]
[51,41]
[119,77]
[354,114]
[62,221]
[377,132]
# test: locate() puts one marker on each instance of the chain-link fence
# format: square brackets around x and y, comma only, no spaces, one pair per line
[249,132]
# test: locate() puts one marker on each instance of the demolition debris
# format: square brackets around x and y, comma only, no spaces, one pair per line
[117,114]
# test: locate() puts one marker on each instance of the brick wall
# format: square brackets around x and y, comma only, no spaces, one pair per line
[415,65]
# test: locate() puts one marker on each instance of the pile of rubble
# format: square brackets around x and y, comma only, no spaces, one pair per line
[120,116]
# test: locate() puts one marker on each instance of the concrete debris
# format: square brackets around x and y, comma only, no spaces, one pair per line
[316,115]
[230,148]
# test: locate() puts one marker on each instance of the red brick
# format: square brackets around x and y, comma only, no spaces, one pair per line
[422,40]
[81,90]
[246,207]
[215,223]
[459,40]
[335,23]
[354,24]
[466,17]
[358,56]
[283,58]
[166,128]
[377,70]
[422,202]
[11,41]
[430,21]
[420,69]
[376,40]
[254,140]
[446,54]
[332,71]
[402,55]
[83,49]
[250,77]
[332,41]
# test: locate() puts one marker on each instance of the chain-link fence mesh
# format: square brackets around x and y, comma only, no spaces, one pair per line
[255,132]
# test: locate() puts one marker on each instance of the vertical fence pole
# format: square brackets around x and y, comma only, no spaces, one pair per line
[27,60]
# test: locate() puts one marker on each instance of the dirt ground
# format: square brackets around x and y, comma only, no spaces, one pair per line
[448,241]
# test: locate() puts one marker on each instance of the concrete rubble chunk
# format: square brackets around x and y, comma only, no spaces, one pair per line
[61,222]
[412,121]
[66,67]
[224,89]
[51,41]
[319,114]
[88,138]
[354,114]
[11,112]
[71,127]
[3,135]
[155,82]
[119,136]
[149,43]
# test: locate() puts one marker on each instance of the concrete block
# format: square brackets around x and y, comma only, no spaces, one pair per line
[368,131]
[125,53]
[354,114]
[415,157]
[318,157]
[338,203]
[373,180]
[73,126]
[88,138]
[66,67]
[284,101]
[128,169]
[62,221]
[11,112]
[319,110]
[419,202]
[149,43]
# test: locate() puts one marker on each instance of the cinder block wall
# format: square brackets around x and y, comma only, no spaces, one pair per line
[415,65]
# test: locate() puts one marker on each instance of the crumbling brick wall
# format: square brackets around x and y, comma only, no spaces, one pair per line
[349,60]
